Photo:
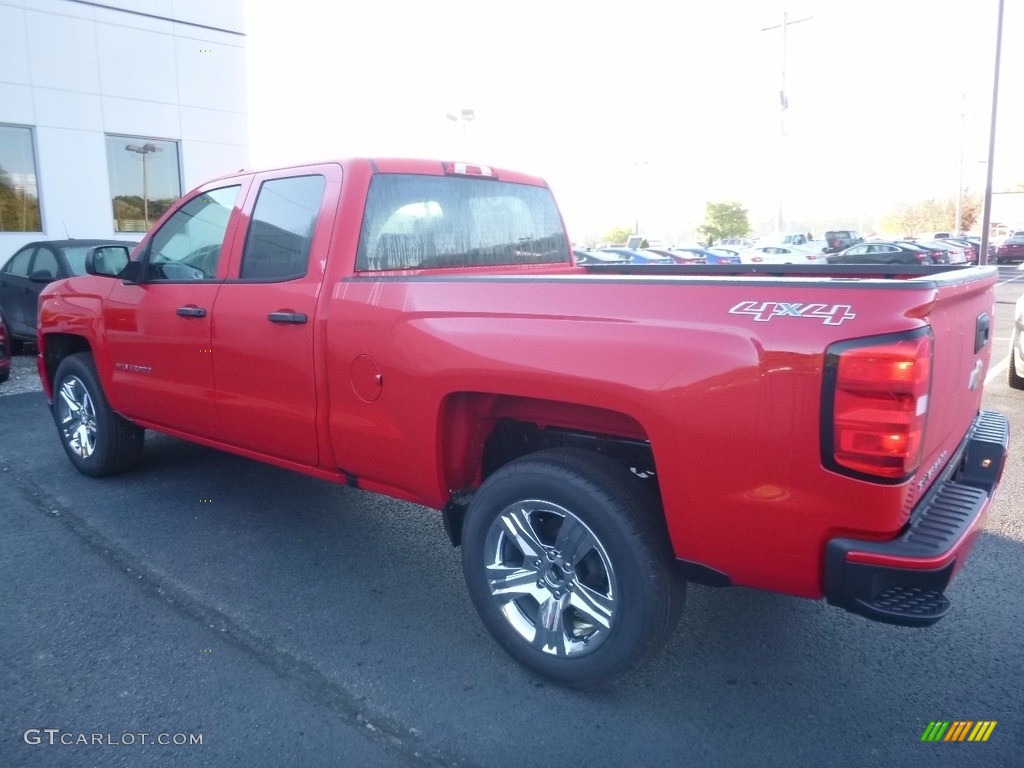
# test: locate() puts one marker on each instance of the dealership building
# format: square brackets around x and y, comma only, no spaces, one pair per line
[111,110]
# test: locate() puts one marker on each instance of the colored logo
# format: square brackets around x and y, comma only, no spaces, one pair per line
[959,730]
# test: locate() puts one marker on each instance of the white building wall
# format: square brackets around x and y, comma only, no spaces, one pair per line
[76,71]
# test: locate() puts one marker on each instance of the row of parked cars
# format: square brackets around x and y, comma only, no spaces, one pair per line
[838,247]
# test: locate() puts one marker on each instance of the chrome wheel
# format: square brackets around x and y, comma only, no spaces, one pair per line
[550,578]
[76,417]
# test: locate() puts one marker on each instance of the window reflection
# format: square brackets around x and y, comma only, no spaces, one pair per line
[19,191]
[144,180]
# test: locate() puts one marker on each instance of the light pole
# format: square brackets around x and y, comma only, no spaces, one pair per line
[638,164]
[986,215]
[144,150]
[783,106]
[465,117]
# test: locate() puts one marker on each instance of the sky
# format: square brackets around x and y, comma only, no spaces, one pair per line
[642,111]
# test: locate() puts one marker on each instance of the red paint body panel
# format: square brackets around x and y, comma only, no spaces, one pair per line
[398,376]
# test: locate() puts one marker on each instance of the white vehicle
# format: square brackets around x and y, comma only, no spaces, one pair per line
[784,238]
[782,254]
[1015,373]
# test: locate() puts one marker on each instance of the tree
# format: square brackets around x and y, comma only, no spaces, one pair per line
[934,215]
[618,234]
[19,211]
[721,220]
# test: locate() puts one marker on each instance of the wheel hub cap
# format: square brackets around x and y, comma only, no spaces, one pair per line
[551,578]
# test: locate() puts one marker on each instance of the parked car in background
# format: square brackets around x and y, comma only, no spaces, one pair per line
[31,269]
[1012,249]
[1015,372]
[781,254]
[587,258]
[884,253]
[957,253]
[637,256]
[680,256]
[732,254]
[740,242]
[5,352]
[784,238]
[970,249]
[977,244]
[710,255]
[840,239]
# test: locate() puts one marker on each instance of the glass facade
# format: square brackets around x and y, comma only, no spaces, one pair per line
[19,187]
[145,180]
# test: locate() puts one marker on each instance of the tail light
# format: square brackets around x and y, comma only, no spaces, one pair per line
[468,169]
[924,258]
[875,405]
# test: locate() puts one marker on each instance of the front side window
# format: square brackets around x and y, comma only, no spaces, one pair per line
[417,222]
[188,245]
[19,189]
[144,180]
[281,233]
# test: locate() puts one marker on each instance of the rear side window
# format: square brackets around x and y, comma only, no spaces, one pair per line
[281,233]
[19,263]
[420,222]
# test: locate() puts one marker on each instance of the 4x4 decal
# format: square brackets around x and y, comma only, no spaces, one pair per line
[763,311]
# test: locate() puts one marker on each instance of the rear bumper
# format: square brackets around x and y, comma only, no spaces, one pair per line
[903,581]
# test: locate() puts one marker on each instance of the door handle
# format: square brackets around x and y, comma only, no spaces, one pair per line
[191,311]
[298,318]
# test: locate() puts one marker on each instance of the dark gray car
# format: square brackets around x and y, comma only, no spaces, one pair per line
[33,267]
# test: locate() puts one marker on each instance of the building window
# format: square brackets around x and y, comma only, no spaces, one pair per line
[144,180]
[19,189]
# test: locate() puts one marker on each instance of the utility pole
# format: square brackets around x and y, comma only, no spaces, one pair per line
[783,106]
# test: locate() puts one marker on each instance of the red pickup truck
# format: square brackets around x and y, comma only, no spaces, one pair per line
[596,437]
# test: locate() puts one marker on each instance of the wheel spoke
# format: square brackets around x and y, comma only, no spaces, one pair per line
[512,583]
[68,393]
[574,540]
[593,605]
[519,527]
[87,408]
[550,634]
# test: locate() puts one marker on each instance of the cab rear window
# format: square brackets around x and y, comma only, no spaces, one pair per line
[424,222]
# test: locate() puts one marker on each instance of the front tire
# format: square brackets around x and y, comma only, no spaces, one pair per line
[98,441]
[568,565]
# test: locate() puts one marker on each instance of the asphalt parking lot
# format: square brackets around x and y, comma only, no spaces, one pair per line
[287,621]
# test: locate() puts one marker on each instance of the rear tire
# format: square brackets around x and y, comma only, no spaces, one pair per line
[98,441]
[568,565]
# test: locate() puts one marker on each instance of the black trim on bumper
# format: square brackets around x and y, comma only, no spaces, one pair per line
[914,596]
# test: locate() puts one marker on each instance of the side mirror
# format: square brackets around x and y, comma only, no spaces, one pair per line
[41,276]
[106,260]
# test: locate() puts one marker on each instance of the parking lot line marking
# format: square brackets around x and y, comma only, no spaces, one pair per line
[997,370]
[1011,280]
